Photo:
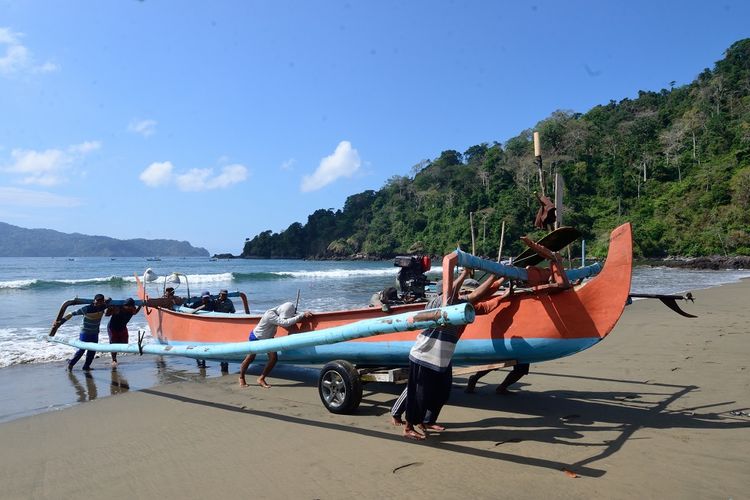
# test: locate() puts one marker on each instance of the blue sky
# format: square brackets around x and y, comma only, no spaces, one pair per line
[213,121]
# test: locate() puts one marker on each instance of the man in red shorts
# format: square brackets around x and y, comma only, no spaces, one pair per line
[117,328]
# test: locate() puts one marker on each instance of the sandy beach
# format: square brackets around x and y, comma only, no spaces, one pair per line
[656,410]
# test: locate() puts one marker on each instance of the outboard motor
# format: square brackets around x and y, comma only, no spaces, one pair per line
[411,276]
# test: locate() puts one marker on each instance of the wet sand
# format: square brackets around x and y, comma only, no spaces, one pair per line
[647,413]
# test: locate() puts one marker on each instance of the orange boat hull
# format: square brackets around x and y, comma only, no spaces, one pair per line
[526,327]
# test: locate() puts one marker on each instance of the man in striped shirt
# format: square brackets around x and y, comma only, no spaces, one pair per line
[92,318]
[430,368]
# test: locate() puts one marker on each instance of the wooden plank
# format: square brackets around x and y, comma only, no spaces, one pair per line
[467,370]
[395,375]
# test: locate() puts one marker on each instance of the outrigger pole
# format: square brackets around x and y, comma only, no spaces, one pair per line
[459,314]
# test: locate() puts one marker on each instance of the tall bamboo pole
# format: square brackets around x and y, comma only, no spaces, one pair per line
[538,161]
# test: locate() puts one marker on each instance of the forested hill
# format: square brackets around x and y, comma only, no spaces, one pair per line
[20,242]
[676,163]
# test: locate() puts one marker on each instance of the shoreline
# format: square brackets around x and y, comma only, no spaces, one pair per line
[648,412]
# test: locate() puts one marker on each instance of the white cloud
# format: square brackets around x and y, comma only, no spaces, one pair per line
[145,128]
[157,174]
[344,162]
[47,168]
[11,196]
[195,179]
[85,147]
[288,165]
[16,58]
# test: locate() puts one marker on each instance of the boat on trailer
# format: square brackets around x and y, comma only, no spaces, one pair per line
[548,314]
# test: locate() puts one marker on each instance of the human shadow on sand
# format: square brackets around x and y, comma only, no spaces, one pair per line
[561,417]
[362,431]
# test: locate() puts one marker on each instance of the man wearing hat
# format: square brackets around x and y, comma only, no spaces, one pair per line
[117,328]
[206,303]
[223,303]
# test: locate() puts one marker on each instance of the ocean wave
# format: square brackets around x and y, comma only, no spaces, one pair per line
[339,273]
[261,276]
[27,345]
[36,284]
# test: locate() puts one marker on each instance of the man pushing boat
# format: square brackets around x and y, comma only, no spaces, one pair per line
[430,360]
[285,316]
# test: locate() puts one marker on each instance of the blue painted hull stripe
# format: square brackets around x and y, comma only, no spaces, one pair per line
[467,351]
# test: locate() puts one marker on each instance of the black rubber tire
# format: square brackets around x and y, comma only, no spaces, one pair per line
[339,387]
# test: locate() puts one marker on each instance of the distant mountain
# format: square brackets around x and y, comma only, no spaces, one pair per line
[21,242]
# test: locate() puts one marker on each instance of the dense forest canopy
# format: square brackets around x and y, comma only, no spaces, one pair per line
[675,163]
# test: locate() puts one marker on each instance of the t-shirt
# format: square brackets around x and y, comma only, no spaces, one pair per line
[119,320]
[92,318]
[224,306]
[270,320]
[434,347]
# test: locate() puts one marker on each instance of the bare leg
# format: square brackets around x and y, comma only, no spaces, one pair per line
[243,368]
[474,379]
[272,357]
[514,376]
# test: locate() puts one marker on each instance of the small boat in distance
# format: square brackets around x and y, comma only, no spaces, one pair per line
[153,259]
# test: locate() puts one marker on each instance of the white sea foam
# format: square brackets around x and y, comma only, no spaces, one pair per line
[29,345]
[17,283]
[199,278]
[105,279]
[338,273]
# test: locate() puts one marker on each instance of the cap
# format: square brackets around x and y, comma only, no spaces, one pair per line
[98,296]
[223,291]
[206,294]
[129,302]
[285,310]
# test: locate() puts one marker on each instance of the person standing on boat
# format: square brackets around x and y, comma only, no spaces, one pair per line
[206,303]
[280,316]
[430,368]
[223,303]
[117,328]
[92,318]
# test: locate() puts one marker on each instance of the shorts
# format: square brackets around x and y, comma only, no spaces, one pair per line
[252,336]
[118,335]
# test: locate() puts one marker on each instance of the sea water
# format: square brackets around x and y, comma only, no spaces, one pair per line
[32,290]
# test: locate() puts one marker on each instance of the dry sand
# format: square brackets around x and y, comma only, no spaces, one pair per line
[647,413]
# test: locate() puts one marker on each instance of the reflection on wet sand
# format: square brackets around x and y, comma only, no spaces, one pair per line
[118,384]
[87,393]
[169,373]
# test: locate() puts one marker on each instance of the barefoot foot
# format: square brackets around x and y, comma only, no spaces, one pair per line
[262,382]
[412,434]
[397,420]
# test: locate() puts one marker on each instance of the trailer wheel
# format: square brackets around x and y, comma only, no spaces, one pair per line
[339,387]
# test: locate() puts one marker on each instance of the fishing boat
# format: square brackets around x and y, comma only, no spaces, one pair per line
[529,327]
[550,313]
